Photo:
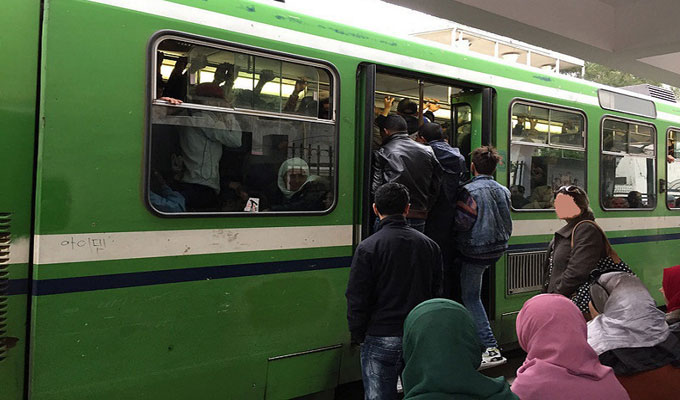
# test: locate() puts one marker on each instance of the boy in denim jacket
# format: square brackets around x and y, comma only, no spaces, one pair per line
[484,226]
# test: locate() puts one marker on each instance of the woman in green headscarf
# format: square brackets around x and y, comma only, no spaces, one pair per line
[442,352]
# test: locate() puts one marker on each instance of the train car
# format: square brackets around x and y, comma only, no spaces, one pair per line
[188,179]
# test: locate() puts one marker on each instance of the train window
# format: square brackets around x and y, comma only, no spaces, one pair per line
[237,131]
[547,150]
[673,169]
[626,103]
[462,128]
[566,129]
[530,124]
[413,99]
[628,165]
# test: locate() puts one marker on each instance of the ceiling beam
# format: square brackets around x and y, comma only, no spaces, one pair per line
[615,33]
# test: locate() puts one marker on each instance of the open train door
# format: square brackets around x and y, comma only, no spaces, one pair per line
[466,113]
[364,149]
[464,110]
[472,120]
[474,126]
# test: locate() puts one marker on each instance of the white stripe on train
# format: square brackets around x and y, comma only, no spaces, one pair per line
[549,226]
[85,247]
[239,25]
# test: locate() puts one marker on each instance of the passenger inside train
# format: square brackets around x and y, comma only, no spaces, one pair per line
[547,152]
[300,190]
[224,122]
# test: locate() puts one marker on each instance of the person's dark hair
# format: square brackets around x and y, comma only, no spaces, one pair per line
[429,115]
[408,107]
[391,199]
[580,198]
[431,131]
[394,123]
[323,112]
[635,199]
[599,296]
[308,106]
[486,159]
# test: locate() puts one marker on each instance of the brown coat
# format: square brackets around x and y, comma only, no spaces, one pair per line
[572,266]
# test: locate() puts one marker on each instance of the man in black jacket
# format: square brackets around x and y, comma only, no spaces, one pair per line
[412,164]
[393,270]
[440,220]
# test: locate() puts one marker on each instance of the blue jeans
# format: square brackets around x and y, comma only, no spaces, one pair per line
[381,365]
[416,223]
[471,293]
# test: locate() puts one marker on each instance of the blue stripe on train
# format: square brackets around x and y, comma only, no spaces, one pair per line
[101,282]
[619,240]
[114,281]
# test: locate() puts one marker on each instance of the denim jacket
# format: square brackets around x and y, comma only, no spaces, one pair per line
[490,225]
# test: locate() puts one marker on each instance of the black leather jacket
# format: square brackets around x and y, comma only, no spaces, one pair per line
[410,163]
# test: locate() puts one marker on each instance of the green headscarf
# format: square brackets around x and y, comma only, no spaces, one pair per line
[442,353]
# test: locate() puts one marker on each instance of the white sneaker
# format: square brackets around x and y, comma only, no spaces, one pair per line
[491,358]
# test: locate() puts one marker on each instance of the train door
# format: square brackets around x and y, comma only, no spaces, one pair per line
[19,29]
[464,110]
[364,148]
[471,129]
[472,126]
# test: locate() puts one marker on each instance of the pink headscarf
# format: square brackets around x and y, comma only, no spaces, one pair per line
[560,364]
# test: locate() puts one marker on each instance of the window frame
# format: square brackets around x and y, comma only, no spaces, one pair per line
[668,131]
[454,121]
[557,107]
[613,153]
[152,49]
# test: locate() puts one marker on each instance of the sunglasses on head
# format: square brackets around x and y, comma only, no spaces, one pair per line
[569,189]
[599,296]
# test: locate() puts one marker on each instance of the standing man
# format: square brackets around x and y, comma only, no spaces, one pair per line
[393,270]
[412,164]
[440,219]
[406,108]
[484,225]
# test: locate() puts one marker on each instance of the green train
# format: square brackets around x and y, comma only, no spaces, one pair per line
[113,286]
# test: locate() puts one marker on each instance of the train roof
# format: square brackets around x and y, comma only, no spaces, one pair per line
[357,42]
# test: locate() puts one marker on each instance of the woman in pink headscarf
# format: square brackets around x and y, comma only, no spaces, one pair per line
[560,365]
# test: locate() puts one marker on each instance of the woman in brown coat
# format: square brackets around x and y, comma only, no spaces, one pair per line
[568,266]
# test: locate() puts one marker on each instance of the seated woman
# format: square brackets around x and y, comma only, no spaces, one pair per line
[630,335]
[671,292]
[300,191]
[560,364]
[442,353]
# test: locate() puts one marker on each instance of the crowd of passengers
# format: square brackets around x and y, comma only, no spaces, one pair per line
[594,333]
[282,183]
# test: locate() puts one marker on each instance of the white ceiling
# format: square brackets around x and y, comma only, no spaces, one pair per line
[637,36]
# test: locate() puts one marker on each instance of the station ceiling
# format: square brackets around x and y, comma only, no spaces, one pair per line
[636,36]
